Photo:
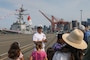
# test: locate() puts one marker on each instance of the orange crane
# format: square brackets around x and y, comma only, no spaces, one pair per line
[53,21]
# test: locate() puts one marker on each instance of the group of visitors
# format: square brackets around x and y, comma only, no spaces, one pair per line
[69,46]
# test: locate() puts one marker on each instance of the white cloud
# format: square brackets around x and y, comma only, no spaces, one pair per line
[66,9]
[6,17]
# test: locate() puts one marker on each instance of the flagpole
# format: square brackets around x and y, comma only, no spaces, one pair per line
[81,16]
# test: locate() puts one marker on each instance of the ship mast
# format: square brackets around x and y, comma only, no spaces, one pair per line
[21,14]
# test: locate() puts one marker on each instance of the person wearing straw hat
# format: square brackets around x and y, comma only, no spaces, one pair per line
[75,44]
[75,40]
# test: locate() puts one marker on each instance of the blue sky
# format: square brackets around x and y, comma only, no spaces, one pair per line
[67,9]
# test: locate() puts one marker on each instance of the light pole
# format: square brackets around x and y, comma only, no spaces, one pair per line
[81,16]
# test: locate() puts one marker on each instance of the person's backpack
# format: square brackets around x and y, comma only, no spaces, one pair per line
[50,53]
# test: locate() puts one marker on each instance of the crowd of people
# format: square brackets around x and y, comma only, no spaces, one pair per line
[74,45]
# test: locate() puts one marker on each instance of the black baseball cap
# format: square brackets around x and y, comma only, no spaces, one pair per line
[59,36]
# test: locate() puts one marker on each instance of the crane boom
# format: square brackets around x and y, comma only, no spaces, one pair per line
[45,15]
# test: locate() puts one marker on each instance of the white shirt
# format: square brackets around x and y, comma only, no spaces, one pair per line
[61,56]
[39,37]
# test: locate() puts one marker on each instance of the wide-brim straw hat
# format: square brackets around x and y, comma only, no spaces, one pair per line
[75,39]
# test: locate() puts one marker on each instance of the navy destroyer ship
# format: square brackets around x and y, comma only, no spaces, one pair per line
[20,25]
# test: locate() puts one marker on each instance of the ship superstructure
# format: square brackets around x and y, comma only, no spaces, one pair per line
[20,25]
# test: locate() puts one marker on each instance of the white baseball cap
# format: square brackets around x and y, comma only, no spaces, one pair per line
[39,26]
[82,27]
